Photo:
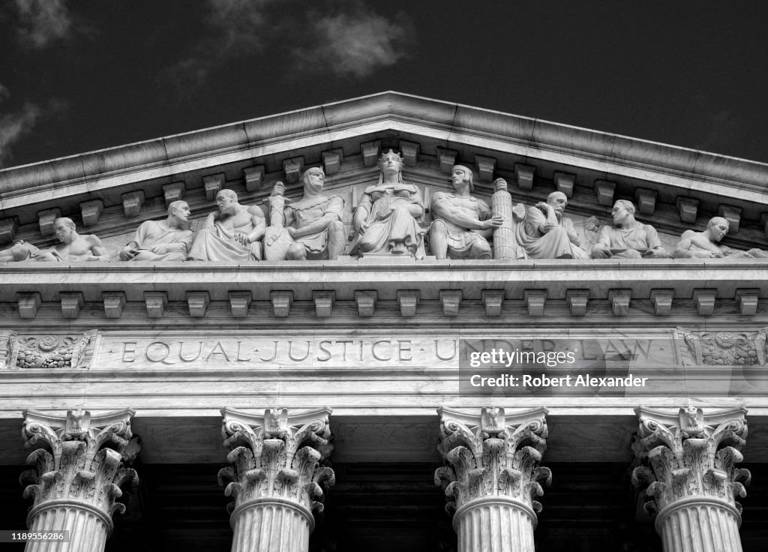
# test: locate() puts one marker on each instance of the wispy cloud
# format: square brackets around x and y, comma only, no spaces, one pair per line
[43,21]
[236,29]
[14,126]
[355,44]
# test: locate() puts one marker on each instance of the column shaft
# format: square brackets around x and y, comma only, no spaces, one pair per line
[87,530]
[494,527]
[700,527]
[270,526]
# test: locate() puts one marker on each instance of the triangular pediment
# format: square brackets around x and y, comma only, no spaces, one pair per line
[109,192]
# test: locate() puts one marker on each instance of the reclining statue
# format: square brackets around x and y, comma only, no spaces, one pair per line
[705,245]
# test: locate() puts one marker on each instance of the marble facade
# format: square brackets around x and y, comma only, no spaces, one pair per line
[300,373]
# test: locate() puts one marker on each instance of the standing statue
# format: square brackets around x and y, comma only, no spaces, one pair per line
[231,233]
[627,238]
[544,233]
[462,223]
[73,247]
[310,228]
[387,218]
[705,245]
[165,240]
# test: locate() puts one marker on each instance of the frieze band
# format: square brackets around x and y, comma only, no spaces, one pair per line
[390,219]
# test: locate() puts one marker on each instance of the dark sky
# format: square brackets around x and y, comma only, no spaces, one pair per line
[77,75]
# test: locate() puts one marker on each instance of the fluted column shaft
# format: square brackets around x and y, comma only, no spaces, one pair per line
[491,477]
[698,525]
[78,467]
[275,477]
[504,241]
[495,525]
[687,468]
[88,529]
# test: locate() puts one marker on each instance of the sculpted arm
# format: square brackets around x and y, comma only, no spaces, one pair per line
[602,247]
[97,249]
[361,213]
[259,224]
[332,213]
[131,248]
[444,208]
[416,208]
[654,243]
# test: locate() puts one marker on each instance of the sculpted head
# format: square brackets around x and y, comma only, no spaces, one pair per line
[64,228]
[313,180]
[179,210]
[558,200]
[718,227]
[623,212]
[461,174]
[226,201]
[390,163]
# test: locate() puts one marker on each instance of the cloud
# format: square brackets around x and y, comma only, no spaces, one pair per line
[237,27]
[14,126]
[43,21]
[355,44]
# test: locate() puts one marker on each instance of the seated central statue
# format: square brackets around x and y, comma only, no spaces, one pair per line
[309,228]
[164,240]
[462,223]
[627,238]
[231,233]
[387,218]
[545,233]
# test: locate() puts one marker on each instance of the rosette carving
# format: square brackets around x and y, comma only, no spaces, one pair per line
[492,455]
[690,455]
[277,456]
[79,459]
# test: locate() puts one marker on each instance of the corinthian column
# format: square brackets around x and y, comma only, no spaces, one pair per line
[687,466]
[492,476]
[276,478]
[79,468]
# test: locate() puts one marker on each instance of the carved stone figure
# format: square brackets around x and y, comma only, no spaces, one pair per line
[230,233]
[705,245]
[310,228]
[462,223]
[164,240]
[544,233]
[627,238]
[25,251]
[387,218]
[74,247]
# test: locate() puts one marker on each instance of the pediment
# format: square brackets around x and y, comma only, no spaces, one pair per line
[110,192]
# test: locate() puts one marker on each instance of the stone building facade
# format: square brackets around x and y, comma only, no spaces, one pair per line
[310,348]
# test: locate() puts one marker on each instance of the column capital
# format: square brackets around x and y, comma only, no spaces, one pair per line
[79,461]
[690,457]
[276,457]
[495,456]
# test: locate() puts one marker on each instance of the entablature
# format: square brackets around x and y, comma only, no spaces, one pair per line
[371,293]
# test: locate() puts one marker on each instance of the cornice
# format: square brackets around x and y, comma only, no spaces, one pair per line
[387,111]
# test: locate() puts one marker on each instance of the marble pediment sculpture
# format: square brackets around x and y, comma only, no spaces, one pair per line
[231,233]
[308,228]
[388,218]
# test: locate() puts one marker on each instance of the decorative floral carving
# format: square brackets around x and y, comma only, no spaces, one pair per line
[79,457]
[726,348]
[277,456]
[492,455]
[690,455]
[49,351]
